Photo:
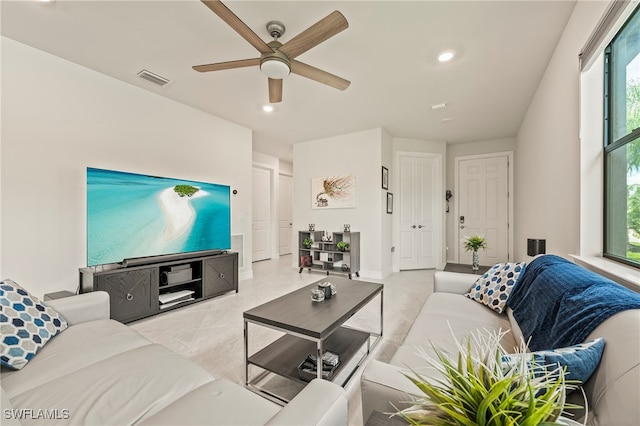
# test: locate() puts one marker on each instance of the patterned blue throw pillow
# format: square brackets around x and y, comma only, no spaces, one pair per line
[493,288]
[579,361]
[26,323]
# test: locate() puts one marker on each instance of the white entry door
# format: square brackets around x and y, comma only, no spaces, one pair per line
[483,206]
[261,212]
[285,215]
[419,209]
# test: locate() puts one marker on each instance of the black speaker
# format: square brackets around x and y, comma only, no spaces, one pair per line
[536,246]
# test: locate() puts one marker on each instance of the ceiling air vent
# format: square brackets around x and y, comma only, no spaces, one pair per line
[153,78]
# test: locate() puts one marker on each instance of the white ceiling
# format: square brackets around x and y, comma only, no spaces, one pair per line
[388,53]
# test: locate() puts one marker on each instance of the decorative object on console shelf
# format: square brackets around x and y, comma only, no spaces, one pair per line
[307,242]
[27,325]
[536,246]
[479,387]
[473,243]
[312,227]
[305,261]
[342,246]
[347,227]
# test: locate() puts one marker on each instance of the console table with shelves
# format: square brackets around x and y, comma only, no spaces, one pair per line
[140,291]
[324,256]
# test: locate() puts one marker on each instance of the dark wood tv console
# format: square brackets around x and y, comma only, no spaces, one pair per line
[140,291]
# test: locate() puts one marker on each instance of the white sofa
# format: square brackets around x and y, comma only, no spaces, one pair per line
[101,372]
[613,391]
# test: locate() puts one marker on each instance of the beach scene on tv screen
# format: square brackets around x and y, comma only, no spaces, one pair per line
[134,215]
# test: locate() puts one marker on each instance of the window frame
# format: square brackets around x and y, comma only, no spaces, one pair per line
[611,145]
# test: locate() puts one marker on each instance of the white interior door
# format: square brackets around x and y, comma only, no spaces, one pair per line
[419,233]
[261,212]
[285,214]
[483,206]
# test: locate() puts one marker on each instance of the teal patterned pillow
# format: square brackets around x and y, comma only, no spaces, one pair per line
[26,323]
[493,288]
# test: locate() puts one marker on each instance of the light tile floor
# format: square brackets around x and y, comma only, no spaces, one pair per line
[211,332]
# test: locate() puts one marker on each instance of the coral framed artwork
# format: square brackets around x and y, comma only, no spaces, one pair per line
[333,192]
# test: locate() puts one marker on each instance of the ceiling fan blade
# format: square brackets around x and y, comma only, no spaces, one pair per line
[275,90]
[319,75]
[322,30]
[240,27]
[227,65]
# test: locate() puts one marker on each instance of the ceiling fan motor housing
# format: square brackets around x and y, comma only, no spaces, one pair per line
[275,29]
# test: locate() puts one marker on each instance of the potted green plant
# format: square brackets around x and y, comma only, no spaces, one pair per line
[474,243]
[342,246]
[481,388]
[307,242]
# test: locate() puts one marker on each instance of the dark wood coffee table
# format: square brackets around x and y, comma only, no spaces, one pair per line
[311,328]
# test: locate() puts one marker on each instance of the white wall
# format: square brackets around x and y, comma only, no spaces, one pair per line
[592,158]
[547,178]
[357,153]
[386,252]
[461,150]
[58,118]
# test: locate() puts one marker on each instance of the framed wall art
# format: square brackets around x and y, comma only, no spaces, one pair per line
[334,192]
[385,178]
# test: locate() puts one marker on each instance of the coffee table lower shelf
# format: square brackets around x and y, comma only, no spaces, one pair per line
[283,356]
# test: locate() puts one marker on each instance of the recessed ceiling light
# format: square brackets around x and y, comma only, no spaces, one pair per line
[446,120]
[446,56]
[439,106]
[267,108]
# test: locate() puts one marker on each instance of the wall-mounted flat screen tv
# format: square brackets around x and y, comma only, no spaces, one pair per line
[133,215]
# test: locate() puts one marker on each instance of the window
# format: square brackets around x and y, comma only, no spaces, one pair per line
[622,144]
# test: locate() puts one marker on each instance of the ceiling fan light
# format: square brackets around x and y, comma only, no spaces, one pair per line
[274,68]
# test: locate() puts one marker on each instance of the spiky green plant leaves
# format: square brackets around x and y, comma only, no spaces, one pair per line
[475,388]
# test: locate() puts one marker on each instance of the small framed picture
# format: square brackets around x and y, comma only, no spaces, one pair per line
[389,203]
[385,178]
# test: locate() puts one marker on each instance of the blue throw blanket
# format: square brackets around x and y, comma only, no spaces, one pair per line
[558,303]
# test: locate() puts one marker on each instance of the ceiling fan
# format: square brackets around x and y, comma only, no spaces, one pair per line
[277,60]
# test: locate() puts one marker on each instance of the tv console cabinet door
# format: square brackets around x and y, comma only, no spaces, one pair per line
[133,294]
[220,274]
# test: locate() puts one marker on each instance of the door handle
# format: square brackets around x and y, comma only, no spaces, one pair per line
[420,226]
[461,226]
[413,226]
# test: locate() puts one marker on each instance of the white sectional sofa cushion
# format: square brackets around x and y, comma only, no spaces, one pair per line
[612,392]
[101,372]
